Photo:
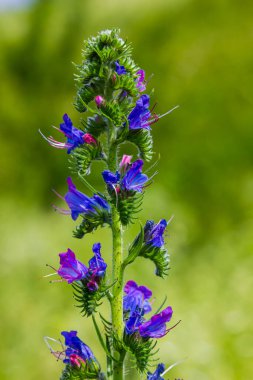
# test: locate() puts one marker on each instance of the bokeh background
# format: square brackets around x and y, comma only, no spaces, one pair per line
[200,53]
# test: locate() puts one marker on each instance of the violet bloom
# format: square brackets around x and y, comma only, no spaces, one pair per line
[75,137]
[136,297]
[157,374]
[80,203]
[70,268]
[153,233]
[77,352]
[156,326]
[120,69]
[134,179]
[141,80]
[134,321]
[139,116]
[97,264]
[99,100]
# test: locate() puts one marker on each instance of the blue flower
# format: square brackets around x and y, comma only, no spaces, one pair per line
[134,179]
[156,326]
[153,233]
[70,268]
[136,297]
[120,69]
[80,203]
[139,116]
[73,270]
[156,375]
[97,265]
[131,178]
[77,351]
[134,321]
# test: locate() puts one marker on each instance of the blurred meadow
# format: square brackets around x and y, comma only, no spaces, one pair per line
[200,53]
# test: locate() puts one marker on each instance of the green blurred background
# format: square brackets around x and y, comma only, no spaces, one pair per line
[201,55]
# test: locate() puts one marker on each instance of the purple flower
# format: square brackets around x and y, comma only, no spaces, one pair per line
[132,179]
[73,270]
[75,137]
[77,352]
[120,69]
[156,326]
[80,203]
[70,268]
[153,233]
[156,375]
[99,100]
[97,264]
[136,297]
[139,116]
[134,321]
[141,80]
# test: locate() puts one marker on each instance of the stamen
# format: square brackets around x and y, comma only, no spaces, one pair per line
[173,365]
[50,266]
[173,326]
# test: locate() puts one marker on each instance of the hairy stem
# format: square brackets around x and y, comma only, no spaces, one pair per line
[117,277]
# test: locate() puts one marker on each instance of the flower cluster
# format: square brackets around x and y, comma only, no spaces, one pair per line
[81,204]
[73,270]
[111,87]
[75,137]
[128,178]
[136,305]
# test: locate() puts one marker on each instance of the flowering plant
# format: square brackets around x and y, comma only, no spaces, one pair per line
[110,87]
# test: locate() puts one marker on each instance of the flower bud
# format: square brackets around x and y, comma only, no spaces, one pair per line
[99,100]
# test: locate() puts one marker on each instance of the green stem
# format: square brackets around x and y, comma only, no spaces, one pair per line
[117,277]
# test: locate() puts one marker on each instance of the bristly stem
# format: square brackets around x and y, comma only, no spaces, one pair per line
[117,277]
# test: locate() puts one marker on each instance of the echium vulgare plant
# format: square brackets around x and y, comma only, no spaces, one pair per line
[111,90]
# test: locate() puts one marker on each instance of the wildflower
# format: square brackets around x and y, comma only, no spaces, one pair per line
[157,374]
[136,296]
[75,137]
[132,179]
[125,162]
[141,80]
[120,69]
[73,270]
[156,326]
[134,321]
[153,233]
[77,351]
[139,116]
[80,203]
[70,268]
[99,100]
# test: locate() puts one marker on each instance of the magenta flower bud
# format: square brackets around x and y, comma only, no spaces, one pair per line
[125,162]
[99,100]
[89,139]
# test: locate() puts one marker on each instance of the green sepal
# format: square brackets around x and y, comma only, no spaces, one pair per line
[142,138]
[95,125]
[81,158]
[159,256]
[128,206]
[88,301]
[134,248]
[89,370]
[91,222]
[142,350]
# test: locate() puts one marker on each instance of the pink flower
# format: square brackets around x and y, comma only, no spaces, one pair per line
[89,139]
[99,100]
